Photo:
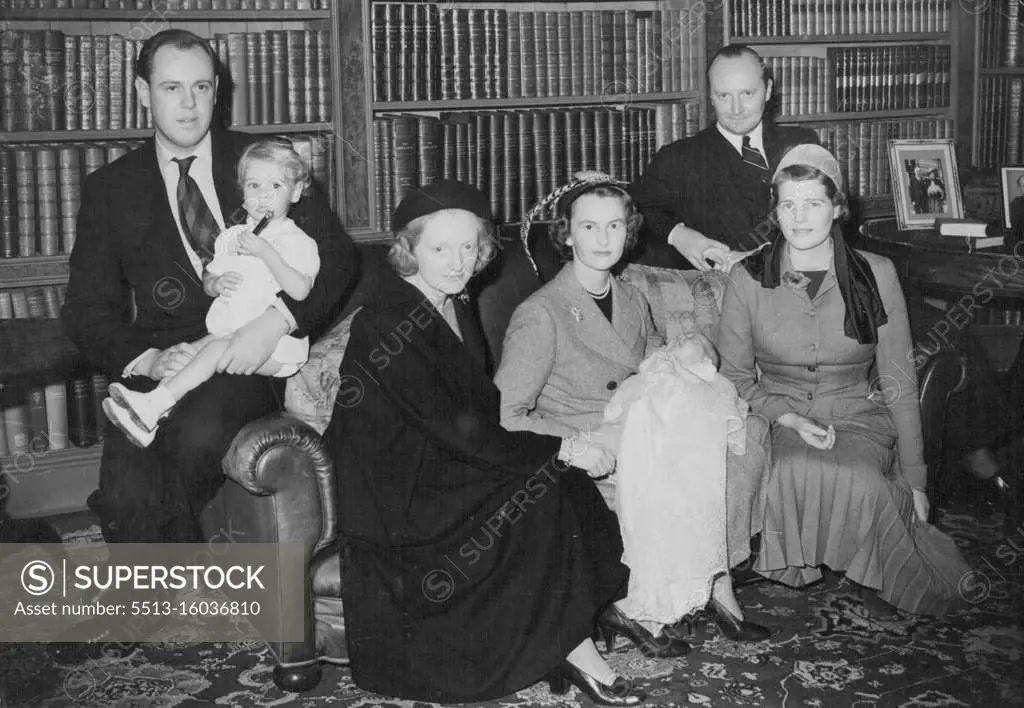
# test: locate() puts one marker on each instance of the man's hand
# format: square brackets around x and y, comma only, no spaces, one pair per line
[921,505]
[166,363]
[225,285]
[253,343]
[812,433]
[699,249]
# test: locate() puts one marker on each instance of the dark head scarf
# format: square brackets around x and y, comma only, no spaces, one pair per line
[864,310]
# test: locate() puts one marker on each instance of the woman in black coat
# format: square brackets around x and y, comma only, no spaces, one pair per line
[476,559]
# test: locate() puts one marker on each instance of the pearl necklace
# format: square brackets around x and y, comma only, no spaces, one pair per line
[598,296]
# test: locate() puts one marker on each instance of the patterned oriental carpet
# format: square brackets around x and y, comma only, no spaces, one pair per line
[828,652]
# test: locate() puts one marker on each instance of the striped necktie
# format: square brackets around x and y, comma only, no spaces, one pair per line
[752,156]
[196,218]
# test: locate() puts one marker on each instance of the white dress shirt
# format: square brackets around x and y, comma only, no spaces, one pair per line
[756,139]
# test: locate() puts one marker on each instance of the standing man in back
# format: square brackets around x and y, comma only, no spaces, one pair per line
[710,193]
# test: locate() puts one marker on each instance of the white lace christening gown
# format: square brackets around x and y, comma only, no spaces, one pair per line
[676,416]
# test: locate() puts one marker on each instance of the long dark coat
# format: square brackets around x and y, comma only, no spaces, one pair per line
[474,561]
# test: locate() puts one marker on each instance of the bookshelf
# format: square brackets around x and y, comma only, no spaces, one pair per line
[510,96]
[998,69]
[858,74]
[68,106]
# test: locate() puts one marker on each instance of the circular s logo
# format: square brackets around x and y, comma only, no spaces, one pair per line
[168,293]
[37,577]
[438,585]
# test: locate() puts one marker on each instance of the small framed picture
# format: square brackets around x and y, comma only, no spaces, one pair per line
[925,182]
[1013,197]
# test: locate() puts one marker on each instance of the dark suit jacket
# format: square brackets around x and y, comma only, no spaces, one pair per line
[128,247]
[702,181]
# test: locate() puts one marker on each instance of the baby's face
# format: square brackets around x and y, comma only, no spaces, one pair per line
[266,188]
[696,348]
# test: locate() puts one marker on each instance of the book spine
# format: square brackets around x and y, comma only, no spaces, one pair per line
[279,75]
[8,220]
[432,57]
[10,105]
[132,107]
[47,209]
[101,82]
[53,78]
[40,433]
[311,90]
[254,68]
[527,177]
[80,425]
[16,424]
[25,202]
[116,99]
[509,172]
[34,90]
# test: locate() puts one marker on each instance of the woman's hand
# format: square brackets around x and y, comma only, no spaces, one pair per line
[812,433]
[596,460]
[921,505]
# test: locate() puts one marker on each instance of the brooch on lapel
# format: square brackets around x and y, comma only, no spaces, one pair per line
[795,281]
[577,313]
[463,297]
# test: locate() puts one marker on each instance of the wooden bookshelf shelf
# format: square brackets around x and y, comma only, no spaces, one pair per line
[142,133]
[27,463]
[52,482]
[840,39]
[616,99]
[865,115]
[33,271]
[165,14]
[1002,71]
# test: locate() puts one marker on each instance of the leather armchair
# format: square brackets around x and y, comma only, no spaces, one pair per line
[283,485]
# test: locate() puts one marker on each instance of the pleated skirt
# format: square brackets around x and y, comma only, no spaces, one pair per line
[845,508]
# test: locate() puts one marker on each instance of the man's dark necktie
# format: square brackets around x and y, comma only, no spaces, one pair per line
[752,156]
[196,218]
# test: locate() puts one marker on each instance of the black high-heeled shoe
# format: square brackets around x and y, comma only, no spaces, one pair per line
[613,623]
[734,628]
[621,692]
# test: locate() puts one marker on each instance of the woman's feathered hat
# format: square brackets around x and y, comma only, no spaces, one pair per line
[562,198]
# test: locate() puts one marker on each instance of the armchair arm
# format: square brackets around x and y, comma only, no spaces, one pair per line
[262,460]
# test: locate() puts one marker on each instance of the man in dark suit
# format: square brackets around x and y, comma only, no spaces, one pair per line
[710,193]
[135,298]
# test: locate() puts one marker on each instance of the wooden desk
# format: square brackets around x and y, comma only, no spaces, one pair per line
[983,289]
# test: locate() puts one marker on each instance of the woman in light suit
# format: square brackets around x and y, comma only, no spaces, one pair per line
[570,345]
[815,336]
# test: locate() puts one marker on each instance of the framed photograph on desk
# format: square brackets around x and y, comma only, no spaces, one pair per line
[1013,198]
[925,182]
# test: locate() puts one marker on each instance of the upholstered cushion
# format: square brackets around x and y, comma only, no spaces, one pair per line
[681,300]
[310,394]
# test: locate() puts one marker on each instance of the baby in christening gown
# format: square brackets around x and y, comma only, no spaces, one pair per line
[670,426]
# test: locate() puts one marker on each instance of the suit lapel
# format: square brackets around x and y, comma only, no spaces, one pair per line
[591,326]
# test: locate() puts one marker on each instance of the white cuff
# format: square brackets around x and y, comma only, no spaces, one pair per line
[129,370]
[677,231]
